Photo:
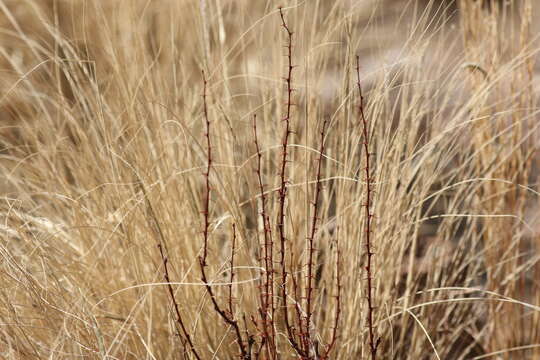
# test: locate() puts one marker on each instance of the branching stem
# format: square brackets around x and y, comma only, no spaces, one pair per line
[308,342]
[267,294]
[373,342]
[291,332]
[227,316]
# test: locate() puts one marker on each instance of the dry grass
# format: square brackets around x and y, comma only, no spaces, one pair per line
[110,192]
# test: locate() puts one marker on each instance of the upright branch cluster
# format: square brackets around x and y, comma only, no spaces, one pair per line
[260,339]
[373,342]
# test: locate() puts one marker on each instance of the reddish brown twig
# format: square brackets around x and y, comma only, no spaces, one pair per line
[206,210]
[373,342]
[308,342]
[267,310]
[179,320]
[291,332]
[182,332]
[334,336]
[231,278]
[227,316]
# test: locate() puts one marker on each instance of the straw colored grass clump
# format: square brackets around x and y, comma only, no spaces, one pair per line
[317,180]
